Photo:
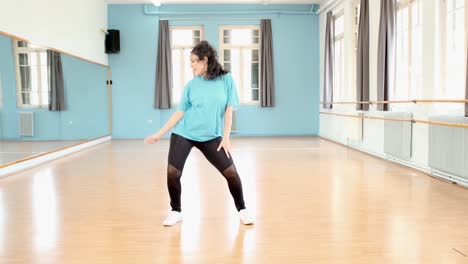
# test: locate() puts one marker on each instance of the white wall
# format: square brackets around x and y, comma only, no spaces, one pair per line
[67,25]
[331,127]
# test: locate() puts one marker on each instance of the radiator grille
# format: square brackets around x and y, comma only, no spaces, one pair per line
[398,135]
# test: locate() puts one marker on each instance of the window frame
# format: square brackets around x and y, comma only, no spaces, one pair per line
[443,89]
[32,50]
[356,7]
[411,64]
[183,48]
[254,46]
[341,40]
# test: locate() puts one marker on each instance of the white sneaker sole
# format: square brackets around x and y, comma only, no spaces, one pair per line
[171,223]
[248,223]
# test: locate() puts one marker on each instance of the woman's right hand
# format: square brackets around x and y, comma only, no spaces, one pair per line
[152,139]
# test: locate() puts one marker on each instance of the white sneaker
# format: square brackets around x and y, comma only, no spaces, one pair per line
[245,217]
[173,218]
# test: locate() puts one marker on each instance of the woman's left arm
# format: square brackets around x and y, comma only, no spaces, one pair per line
[225,143]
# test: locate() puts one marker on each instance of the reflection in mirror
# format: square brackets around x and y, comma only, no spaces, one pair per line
[48,100]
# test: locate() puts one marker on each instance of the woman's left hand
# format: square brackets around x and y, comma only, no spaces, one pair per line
[226,145]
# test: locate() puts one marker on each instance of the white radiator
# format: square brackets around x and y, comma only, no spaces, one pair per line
[398,135]
[354,128]
[234,121]
[26,124]
[448,148]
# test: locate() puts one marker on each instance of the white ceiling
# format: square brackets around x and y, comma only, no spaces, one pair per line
[217,1]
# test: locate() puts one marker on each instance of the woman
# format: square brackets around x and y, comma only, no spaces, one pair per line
[203,120]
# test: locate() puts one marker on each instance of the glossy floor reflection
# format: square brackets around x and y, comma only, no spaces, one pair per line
[314,202]
[11,151]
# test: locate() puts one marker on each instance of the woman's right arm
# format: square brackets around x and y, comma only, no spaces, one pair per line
[175,118]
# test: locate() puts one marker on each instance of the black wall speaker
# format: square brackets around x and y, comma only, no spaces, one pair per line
[113,41]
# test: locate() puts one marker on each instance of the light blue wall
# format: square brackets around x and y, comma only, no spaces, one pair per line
[7,72]
[86,97]
[87,100]
[296,57]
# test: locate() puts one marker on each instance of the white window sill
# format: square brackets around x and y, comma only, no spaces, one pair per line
[33,107]
[250,103]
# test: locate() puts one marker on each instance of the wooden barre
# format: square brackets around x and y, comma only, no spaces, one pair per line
[402,102]
[459,125]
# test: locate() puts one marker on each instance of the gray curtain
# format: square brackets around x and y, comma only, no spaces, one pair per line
[362,61]
[267,73]
[466,87]
[56,83]
[386,52]
[328,64]
[163,91]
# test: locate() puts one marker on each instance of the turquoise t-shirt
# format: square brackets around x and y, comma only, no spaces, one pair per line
[204,103]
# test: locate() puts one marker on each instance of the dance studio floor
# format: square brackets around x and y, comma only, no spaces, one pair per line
[314,202]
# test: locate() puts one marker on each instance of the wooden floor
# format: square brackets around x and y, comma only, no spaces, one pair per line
[314,202]
[16,150]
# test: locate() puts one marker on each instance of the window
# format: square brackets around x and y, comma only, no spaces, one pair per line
[240,54]
[183,39]
[356,17]
[338,64]
[408,81]
[31,74]
[453,48]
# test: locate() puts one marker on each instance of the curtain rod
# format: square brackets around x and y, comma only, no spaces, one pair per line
[148,11]
[214,18]
[234,13]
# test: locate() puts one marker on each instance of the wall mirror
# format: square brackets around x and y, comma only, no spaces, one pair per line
[49,100]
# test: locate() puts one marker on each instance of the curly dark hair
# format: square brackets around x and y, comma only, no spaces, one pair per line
[214,69]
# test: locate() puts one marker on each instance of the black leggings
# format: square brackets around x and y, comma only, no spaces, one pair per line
[179,150]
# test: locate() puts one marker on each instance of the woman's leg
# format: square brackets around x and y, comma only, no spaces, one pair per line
[227,168]
[179,149]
